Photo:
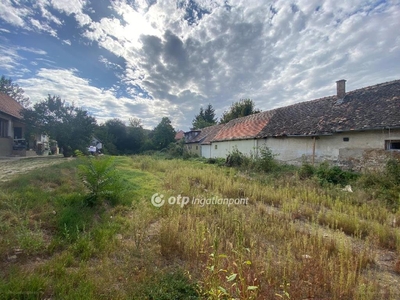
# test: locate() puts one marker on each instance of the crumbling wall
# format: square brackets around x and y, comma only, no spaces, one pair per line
[361,160]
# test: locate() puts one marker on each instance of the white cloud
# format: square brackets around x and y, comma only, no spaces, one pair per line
[13,15]
[103,104]
[73,7]
[32,50]
[43,27]
[9,58]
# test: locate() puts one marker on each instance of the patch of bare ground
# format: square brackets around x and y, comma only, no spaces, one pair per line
[15,166]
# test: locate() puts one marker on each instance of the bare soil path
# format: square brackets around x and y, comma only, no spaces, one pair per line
[9,167]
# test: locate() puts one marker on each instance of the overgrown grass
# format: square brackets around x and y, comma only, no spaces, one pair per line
[296,238]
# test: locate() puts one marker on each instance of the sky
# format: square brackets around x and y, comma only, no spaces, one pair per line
[150,59]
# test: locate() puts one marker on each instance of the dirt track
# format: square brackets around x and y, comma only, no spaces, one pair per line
[14,166]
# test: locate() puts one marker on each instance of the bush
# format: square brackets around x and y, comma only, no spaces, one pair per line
[385,185]
[334,175]
[267,162]
[306,171]
[236,159]
[100,177]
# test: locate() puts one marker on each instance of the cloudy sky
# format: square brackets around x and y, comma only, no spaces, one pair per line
[154,58]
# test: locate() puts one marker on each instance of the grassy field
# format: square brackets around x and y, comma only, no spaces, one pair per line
[296,238]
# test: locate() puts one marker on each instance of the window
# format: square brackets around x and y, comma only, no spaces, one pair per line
[3,128]
[197,147]
[17,132]
[216,147]
[392,145]
[346,139]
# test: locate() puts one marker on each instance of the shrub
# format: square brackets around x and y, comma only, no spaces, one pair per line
[385,185]
[103,181]
[236,158]
[334,175]
[267,162]
[306,171]
[216,161]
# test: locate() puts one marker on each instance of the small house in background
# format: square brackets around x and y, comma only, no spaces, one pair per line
[192,139]
[12,132]
[41,144]
[179,135]
[198,141]
[11,125]
[97,143]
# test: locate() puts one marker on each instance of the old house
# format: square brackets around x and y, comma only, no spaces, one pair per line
[198,141]
[205,144]
[11,125]
[240,133]
[358,129]
[180,134]
[191,141]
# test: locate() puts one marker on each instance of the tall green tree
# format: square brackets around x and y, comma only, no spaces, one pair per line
[70,126]
[8,87]
[118,134]
[205,118]
[163,134]
[242,108]
[136,135]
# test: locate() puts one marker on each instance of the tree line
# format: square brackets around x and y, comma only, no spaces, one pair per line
[73,127]
[206,117]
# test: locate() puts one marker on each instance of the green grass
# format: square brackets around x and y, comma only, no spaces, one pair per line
[295,239]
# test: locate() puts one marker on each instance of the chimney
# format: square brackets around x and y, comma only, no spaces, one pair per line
[341,88]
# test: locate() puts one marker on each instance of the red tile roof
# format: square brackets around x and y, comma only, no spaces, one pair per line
[179,135]
[211,133]
[244,128]
[9,106]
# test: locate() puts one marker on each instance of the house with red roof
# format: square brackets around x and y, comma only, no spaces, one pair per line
[357,129]
[179,135]
[11,125]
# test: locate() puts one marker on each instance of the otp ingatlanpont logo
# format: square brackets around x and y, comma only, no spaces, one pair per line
[157,200]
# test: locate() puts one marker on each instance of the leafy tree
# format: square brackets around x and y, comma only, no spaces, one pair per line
[163,134]
[117,132]
[205,118]
[135,122]
[107,139]
[14,91]
[242,108]
[71,126]
[137,134]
